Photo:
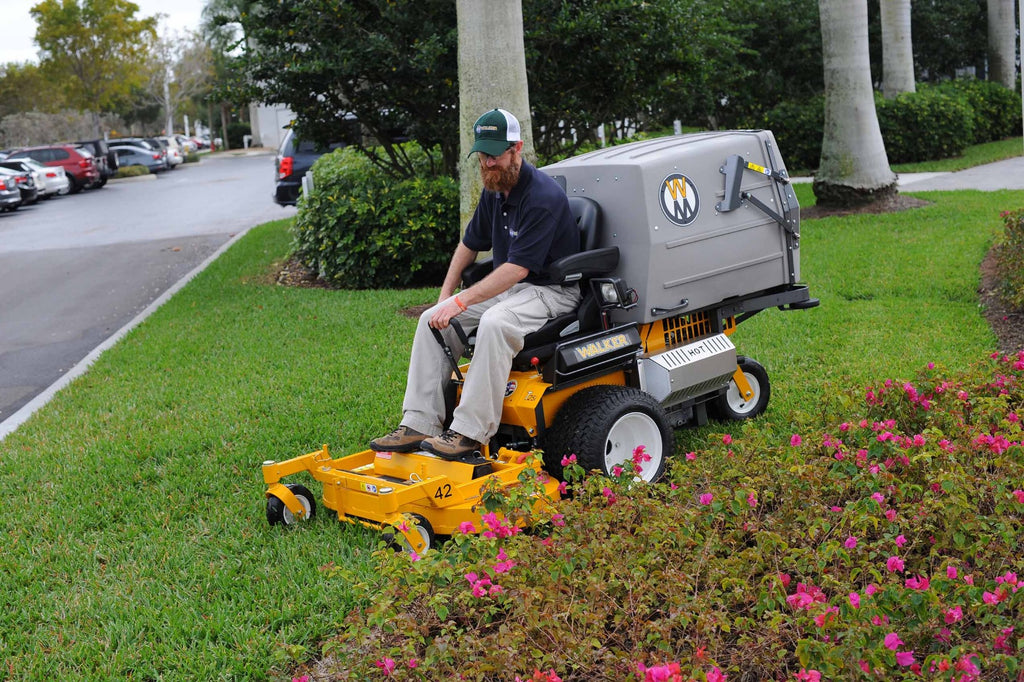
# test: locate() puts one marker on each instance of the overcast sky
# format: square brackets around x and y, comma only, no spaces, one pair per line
[17,28]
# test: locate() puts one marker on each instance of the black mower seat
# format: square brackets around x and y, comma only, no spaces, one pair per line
[591,261]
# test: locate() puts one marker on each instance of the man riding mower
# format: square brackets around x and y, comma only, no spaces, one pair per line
[676,240]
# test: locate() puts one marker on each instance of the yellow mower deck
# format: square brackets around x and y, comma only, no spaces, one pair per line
[380,489]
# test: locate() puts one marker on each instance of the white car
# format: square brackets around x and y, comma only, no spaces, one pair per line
[174,152]
[50,180]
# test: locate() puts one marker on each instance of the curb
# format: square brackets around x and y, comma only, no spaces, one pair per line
[9,425]
[134,178]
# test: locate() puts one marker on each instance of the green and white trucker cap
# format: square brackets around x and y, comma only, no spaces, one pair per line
[495,131]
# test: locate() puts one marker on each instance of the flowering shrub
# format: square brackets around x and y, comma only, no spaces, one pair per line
[1010,259]
[883,542]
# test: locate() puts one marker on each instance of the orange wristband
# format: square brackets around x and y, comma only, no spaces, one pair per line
[462,306]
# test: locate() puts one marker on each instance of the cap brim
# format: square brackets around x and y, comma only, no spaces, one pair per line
[491,147]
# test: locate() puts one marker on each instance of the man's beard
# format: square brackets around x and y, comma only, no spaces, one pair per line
[501,179]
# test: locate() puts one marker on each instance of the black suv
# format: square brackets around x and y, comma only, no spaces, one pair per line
[106,160]
[294,158]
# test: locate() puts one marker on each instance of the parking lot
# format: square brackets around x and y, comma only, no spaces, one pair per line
[77,268]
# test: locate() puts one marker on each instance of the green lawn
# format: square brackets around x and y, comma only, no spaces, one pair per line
[135,539]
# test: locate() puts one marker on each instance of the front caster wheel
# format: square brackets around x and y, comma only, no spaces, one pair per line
[277,512]
[734,406]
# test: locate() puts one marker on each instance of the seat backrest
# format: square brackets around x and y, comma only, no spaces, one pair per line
[588,218]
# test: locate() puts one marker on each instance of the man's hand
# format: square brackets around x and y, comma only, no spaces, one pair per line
[444,314]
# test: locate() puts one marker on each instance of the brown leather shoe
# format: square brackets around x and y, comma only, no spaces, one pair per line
[451,446]
[402,439]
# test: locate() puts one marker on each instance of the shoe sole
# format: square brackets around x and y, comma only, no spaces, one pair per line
[449,456]
[408,447]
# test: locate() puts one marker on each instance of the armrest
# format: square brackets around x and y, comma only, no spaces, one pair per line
[476,272]
[584,264]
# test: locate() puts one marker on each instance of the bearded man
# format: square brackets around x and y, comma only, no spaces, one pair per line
[523,217]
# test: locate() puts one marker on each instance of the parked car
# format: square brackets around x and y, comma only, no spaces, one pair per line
[50,180]
[23,166]
[130,155]
[77,163]
[295,157]
[25,182]
[10,195]
[175,155]
[145,143]
[186,144]
[106,160]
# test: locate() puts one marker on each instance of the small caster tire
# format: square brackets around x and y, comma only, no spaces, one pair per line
[278,513]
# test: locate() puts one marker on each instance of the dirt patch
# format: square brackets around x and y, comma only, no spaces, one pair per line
[1007,323]
[894,204]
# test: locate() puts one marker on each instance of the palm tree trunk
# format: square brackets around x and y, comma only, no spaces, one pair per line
[1001,49]
[854,167]
[897,48]
[492,74]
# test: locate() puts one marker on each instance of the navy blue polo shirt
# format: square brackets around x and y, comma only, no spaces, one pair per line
[532,228]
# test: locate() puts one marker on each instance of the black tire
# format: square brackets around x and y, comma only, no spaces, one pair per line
[277,512]
[731,406]
[603,425]
[75,186]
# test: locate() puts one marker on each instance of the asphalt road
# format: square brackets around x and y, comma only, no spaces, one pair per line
[74,270]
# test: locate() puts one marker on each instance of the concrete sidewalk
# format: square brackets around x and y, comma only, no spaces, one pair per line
[1006,174]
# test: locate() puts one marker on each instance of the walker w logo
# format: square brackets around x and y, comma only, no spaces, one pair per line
[679,200]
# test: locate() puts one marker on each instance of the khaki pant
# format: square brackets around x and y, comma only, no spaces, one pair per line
[501,324]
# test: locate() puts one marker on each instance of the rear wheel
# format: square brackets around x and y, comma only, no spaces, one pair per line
[732,406]
[604,426]
[277,512]
[74,186]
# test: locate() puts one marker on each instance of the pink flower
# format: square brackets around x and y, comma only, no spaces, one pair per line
[826,616]
[563,487]
[969,579]
[566,461]
[558,519]
[953,615]
[412,663]
[854,600]
[726,440]
[608,495]
[917,583]
[809,675]
[892,641]
[894,564]
[900,540]
[1019,494]
[467,528]
[386,665]
[905,658]
[706,498]
[871,589]
[951,572]
[752,500]
[796,440]
[878,497]
[690,456]
[617,471]
[850,543]
[890,515]
[1000,643]
[784,579]
[990,598]
[716,675]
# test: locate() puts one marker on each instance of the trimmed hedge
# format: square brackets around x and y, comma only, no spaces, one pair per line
[362,229]
[935,122]
[925,125]
[1010,259]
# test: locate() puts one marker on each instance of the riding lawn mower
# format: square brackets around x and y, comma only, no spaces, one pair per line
[682,238]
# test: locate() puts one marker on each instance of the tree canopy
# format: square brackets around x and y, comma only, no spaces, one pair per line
[95,49]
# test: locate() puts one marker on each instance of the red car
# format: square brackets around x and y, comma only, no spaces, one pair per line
[79,165]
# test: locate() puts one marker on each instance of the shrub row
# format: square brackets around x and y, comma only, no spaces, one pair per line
[1010,259]
[362,229]
[933,123]
[884,545]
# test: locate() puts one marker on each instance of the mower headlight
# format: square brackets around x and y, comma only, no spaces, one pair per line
[609,294]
